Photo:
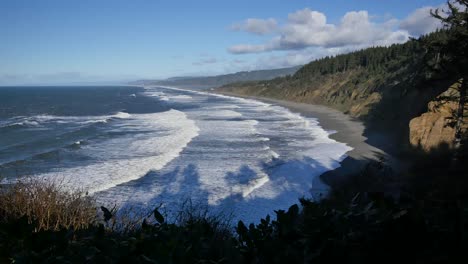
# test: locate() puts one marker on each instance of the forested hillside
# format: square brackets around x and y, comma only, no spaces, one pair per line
[218,80]
[384,86]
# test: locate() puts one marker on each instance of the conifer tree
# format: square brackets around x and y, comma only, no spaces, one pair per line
[451,53]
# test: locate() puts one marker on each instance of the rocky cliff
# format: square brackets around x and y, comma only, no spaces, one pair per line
[437,125]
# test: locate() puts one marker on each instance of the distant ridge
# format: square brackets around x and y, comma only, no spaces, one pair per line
[206,82]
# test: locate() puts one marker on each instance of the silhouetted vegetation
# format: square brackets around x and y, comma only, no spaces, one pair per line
[364,227]
[451,54]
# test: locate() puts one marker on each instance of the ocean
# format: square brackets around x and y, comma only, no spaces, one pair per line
[145,146]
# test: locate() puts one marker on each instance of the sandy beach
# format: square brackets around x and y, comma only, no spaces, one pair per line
[346,129]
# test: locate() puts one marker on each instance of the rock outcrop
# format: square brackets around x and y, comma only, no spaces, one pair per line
[437,125]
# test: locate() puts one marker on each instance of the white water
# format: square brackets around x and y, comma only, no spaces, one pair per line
[234,155]
[35,121]
[249,159]
[127,158]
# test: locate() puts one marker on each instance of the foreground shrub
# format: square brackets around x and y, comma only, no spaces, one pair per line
[45,206]
[370,228]
[40,224]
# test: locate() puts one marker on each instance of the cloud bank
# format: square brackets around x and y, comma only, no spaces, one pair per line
[256,26]
[420,22]
[308,28]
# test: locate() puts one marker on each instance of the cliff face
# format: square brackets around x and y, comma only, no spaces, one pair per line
[437,125]
[345,91]
[384,104]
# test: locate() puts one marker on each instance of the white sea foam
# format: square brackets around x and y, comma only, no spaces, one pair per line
[123,159]
[181,97]
[121,115]
[27,123]
[221,114]
[40,119]
[158,94]
[249,157]
[221,107]
[275,155]
[16,122]
[267,158]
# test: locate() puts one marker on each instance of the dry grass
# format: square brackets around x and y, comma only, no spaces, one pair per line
[46,206]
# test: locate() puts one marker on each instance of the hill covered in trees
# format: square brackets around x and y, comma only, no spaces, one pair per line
[384,86]
[219,80]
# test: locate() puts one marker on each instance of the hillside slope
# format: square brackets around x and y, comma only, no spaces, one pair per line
[383,86]
[218,80]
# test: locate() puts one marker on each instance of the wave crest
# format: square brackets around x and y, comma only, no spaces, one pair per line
[172,132]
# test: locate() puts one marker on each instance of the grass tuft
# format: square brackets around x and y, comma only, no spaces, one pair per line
[46,206]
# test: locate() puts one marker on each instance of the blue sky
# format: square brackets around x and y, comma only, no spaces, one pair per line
[59,41]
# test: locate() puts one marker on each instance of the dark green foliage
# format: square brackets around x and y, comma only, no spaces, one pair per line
[370,229]
[158,216]
[383,62]
[451,56]
[375,60]
[196,240]
[367,228]
[106,213]
[451,49]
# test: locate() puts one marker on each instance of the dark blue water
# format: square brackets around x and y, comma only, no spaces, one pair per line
[39,126]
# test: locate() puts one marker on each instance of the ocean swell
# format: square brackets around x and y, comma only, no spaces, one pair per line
[122,159]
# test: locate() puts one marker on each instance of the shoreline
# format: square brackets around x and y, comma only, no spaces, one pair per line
[345,130]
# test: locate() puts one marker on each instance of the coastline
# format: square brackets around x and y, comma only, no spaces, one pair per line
[345,129]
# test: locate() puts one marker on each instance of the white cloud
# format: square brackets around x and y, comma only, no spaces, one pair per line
[297,57]
[283,61]
[420,22]
[278,60]
[356,29]
[306,35]
[256,26]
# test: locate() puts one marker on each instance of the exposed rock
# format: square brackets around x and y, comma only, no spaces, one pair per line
[364,106]
[437,125]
